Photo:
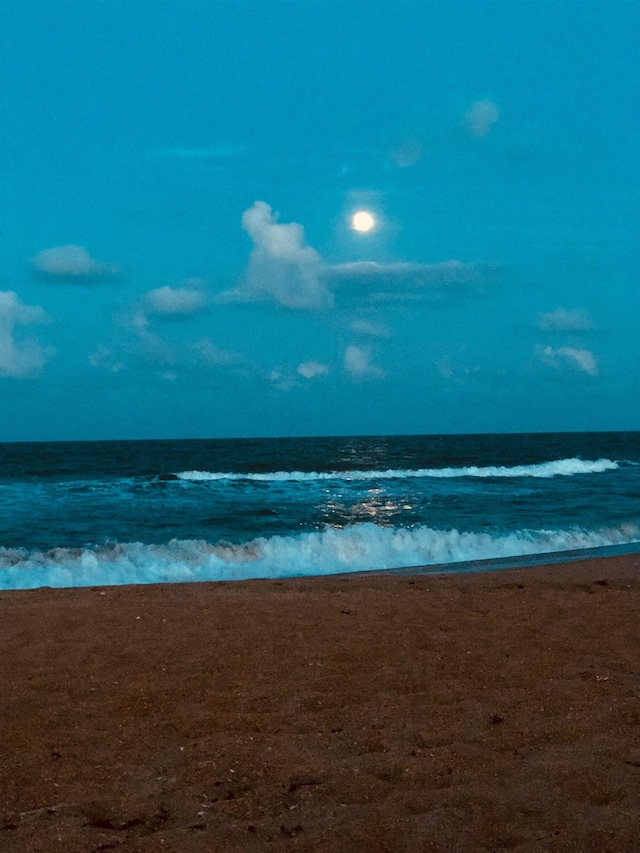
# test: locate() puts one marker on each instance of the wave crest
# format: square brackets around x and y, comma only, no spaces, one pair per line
[557,468]
[361,547]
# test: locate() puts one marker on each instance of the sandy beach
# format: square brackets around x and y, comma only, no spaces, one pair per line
[493,711]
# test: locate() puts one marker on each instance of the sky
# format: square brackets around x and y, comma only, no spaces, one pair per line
[178,186]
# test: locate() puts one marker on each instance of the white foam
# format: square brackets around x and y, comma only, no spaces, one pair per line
[557,468]
[360,547]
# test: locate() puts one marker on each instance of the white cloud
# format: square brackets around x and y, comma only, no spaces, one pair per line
[14,312]
[151,345]
[105,359]
[175,301]
[281,267]
[402,280]
[562,320]
[166,303]
[71,262]
[211,355]
[480,116]
[357,362]
[20,359]
[311,369]
[582,360]
[282,380]
[366,327]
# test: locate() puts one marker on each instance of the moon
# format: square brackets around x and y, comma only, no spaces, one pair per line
[362,221]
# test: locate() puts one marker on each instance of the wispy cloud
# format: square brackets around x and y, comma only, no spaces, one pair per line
[311,369]
[409,152]
[212,356]
[410,274]
[369,329]
[150,345]
[358,364]
[454,369]
[562,320]
[480,117]
[581,360]
[71,263]
[282,379]
[20,359]
[282,268]
[104,358]
[370,281]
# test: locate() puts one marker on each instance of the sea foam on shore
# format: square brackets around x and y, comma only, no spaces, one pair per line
[360,547]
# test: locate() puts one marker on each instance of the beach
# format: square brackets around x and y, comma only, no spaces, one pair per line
[497,710]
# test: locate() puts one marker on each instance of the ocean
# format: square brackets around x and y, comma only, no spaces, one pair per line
[132,512]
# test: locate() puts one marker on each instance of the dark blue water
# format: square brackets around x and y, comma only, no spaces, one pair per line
[122,512]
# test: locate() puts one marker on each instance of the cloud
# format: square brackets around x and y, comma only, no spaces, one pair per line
[282,380]
[582,360]
[20,359]
[175,301]
[455,371]
[211,355]
[165,303]
[562,320]
[104,358]
[414,274]
[282,269]
[152,346]
[480,116]
[357,362]
[311,369]
[402,280]
[14,312]
[409,152]
[71,262]
[366,327]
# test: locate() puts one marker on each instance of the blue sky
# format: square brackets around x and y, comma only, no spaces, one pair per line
[177,256]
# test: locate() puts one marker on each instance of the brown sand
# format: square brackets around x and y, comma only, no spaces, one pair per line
[357,713]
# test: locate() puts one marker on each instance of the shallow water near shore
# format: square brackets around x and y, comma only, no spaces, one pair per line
[90,513]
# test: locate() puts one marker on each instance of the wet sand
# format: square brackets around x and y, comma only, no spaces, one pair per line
[493,711]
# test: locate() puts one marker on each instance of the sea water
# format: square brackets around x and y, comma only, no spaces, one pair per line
[122,512]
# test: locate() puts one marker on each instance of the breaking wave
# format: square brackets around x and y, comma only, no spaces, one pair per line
[558,468]
[361,547]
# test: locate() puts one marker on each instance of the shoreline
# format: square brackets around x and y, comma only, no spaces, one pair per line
[520,561]
[389,710]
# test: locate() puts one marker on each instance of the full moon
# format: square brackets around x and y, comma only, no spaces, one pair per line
[362,221]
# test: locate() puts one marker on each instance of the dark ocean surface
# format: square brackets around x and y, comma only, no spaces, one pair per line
[90,513]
